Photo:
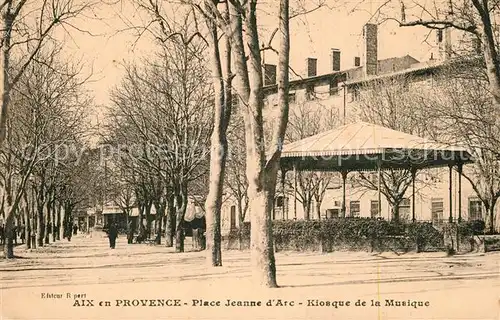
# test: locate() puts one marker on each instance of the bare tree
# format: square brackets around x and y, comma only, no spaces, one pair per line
[219,146]
[236,184]
[238,21]
[307,120]
[472,17]
[164,106]
[468,117]
[395,103]
[49,116]
[26,28]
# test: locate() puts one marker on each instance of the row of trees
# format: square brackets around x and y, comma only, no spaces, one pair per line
[37,117]
[158,132]
[45,176]
[231,32]
[167,110]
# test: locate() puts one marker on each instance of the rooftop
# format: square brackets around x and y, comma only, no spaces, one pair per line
[360,145]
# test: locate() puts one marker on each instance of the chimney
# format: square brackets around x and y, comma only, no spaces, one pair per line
[370,49]
[335,59]
[269,74]
[312,67]
[357,61]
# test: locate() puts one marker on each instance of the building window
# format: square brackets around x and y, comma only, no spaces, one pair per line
[354,208]
[439,35]
[405,209]
[233,217]
[374,208]
[437,211]
[291,97]
[475,209]
[334,87]
[310,92]
[332,213]
[280,201]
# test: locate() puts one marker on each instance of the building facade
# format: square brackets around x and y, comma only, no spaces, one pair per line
[338,92]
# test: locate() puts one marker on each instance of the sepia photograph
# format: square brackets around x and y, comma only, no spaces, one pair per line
[250,159]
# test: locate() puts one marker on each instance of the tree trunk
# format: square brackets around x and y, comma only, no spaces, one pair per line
[261,175]
[491,219]
[62,219]
[160,212]
[170,223]
[58,222]
[262,250]
[8,20]
[48,222]
[214,199]
[27,224]
[141,228]
[9,232]
[68,223]
[490,54]
[218,150]
[27,227]
[180,207]
[40,232]
[179,239]
[53,219]
[395,213]
[306,205]
[318,209]
[241,221]
[148,220]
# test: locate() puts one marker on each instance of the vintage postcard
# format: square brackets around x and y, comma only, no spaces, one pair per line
[248,159]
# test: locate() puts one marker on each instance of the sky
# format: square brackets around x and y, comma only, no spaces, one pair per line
[311,36]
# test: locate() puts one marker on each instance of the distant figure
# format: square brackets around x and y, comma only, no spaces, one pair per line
[68,231]
[75,229]
[22,234]
[130,232]
[142,234]
[2,234]
[14,234]
[112,235]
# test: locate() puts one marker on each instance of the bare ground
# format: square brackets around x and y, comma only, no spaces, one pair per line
[459,287]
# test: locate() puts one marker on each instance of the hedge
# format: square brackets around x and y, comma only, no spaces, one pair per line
[471,228]
[348,234]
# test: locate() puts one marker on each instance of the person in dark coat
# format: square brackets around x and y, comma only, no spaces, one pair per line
[130,232]
[112,235]
[68,230]
[14,234]
[2,233]
[22,233]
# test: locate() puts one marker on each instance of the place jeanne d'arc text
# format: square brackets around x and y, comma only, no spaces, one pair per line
[314,303]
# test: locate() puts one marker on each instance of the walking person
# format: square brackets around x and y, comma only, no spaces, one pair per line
[14,234]
[2,233]
[130,232]
[22,233]
[68,230]
[112,235]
